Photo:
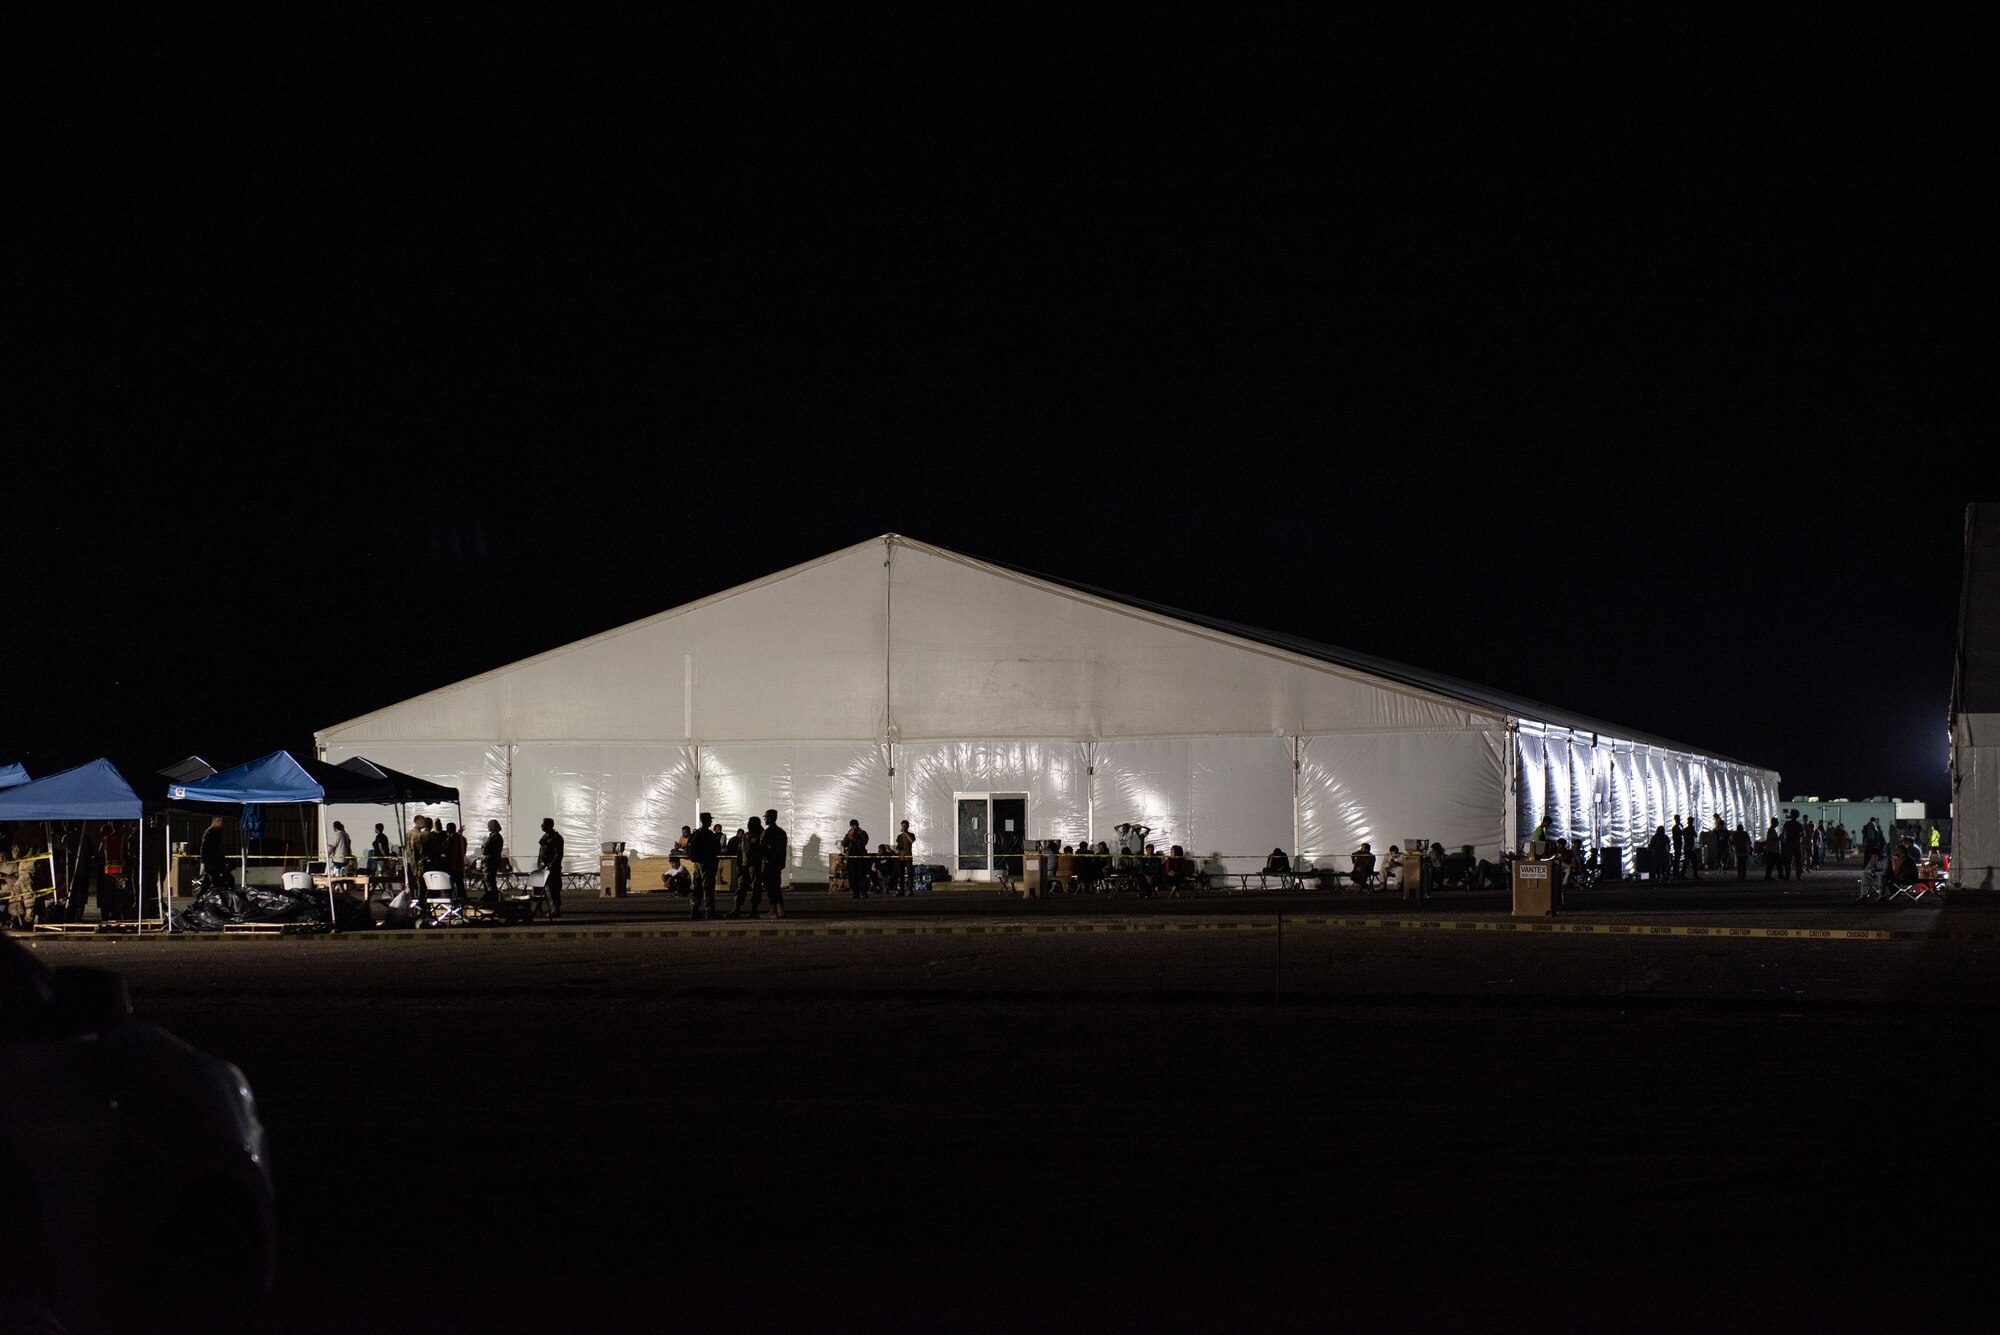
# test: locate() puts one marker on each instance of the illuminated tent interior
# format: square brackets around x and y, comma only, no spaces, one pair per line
[894,680]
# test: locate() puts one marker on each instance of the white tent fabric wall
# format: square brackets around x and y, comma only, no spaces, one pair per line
[799,691]
[1975,802]
[1644,788]
[1389,787]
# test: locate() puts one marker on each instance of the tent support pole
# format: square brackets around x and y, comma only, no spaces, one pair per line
[139,899]
[1296,831]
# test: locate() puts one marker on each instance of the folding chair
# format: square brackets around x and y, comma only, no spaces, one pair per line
[301,882]
[538,894]
[442,901]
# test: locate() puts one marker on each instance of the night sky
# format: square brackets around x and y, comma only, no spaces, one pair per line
[1642,375]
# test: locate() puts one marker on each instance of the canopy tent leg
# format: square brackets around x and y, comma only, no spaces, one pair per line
[50,840]
[139,897]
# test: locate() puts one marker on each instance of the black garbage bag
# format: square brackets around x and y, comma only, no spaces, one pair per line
[226,906]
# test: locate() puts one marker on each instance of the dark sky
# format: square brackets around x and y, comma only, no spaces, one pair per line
[1639,372]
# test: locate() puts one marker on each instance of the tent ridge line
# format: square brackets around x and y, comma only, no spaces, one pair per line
[1223,638]
[601,637]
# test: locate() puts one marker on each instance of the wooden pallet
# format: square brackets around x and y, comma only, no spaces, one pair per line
[100,928]
[273,928]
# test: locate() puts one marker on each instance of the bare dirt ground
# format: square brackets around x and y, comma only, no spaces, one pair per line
[1153,1131]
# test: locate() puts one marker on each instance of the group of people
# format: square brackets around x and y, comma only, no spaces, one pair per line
[761,851]
[88,857]
[436,846]
[882,870]
[1084,869]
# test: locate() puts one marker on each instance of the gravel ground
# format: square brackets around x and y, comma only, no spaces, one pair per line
[1167,1130]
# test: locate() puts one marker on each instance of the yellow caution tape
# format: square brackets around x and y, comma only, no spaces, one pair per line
[1442,926]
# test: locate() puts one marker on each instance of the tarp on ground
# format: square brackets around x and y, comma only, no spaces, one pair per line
[10,775]
[406,787]
[93,791]
[284,777]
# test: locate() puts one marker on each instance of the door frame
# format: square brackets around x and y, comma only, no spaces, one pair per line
[988,797]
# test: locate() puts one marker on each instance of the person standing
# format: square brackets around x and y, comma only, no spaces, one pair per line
[1794,846]
[549,858]
[1680,848]
[1739,848]
[906,860]
[490,852]
[704,851]
[84,864]
[380,848]
[1934,842]
[1841,840]
[854,847]
[775,858]
[339,851]
[454,858]
[214,862]
[1774,852]
[750,881]
[1659,852]
[1873,849]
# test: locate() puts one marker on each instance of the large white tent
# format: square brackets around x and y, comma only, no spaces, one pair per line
[1975,709]
[894,680]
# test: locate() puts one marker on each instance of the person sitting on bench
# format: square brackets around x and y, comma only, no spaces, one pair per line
[1174,871]
[1364,867]
[676,877]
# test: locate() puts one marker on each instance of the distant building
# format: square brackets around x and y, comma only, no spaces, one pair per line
[1854,814]
[1975,707]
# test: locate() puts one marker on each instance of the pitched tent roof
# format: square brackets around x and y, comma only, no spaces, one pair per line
[93,791]
[900,639]
[283,777]
[12,774]
[1499,702]
[406,787]
[186,771]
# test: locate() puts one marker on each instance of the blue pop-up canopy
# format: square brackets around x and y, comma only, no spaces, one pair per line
[12,774]
[96,791]
[284,777]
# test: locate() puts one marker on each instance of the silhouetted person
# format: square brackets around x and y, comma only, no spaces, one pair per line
[1739,847]
[855,845]
[777,855]
[704,850]
[380,848]
[549,857]
[1658,851]
[214,862]
[1774,852]
[454,858]
[906,860]
[490,853]
[749,883]
[1793,843]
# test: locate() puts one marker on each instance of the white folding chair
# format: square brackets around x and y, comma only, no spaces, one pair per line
[441,898]
[538,893]
[301,882]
